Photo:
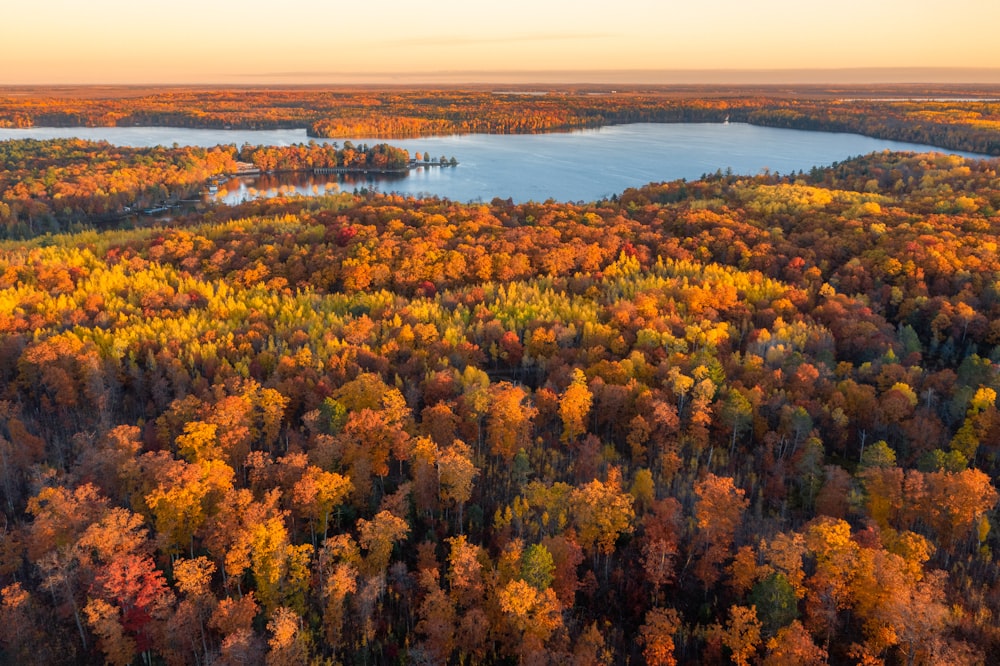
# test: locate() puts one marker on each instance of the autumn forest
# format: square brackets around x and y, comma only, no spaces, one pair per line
[748,419]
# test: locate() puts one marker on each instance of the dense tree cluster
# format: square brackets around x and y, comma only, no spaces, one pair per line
[959,124]
[50,185]
[972,126]
[738,420]
[61,184]
[312,155]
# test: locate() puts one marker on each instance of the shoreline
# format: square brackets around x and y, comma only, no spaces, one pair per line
[734,119]
[319,171]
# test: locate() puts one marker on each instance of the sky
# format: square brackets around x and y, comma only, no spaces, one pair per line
[464,41]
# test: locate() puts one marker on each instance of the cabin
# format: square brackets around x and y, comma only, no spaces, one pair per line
[246,169]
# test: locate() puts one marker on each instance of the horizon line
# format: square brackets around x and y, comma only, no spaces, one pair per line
[632,76]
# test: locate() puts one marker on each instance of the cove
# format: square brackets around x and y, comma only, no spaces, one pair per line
[582,165]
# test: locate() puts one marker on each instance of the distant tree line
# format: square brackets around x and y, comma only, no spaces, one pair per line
[958,125]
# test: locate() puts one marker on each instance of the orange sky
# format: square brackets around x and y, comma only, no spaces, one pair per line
[299,41]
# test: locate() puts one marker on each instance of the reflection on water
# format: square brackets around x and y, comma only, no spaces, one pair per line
[298,183]
[245,188]
[573,166]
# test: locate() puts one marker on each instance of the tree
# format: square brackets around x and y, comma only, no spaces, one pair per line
[742,634]
[643,489]
[377,536]
[737,413]
[338,566]
[315,496]
[718,511]
[119,648]
[533,615]
[365,445]
[591,648]
[183,501]
[508,420]
[229,534]
[954,503]
[465,572]
[884,492]
[131,591]
[118,533]
[829,542]
[784,553]
[280,569]
[601,512]
[574,407]
[437,619]
[456,473]
[193,579]
[775,601]
[21,630]
[657,636]
[287,645]
[199,442]
[832,499]
[537,567]
[60,516]
[793,646]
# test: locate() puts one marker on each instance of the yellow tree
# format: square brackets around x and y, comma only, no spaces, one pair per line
[829,541]
[316,494]
[574,407]
[456,473]
[533,616]
[199,442]
[182,502]
[378,536]
[229,533]
[601,512]
[591,648]
[119,648]
[280,569]
[193,579]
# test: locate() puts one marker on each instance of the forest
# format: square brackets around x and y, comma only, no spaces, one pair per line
[956,119]
[64,184]
[746,420]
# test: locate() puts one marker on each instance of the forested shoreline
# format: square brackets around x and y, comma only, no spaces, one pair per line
[62,184]
[734,420]
[970,124]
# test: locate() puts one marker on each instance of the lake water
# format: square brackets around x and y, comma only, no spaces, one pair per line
[582,165]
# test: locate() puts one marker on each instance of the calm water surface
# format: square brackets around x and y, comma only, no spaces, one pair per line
[572,166]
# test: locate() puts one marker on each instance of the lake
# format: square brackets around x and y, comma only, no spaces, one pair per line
[582,165]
